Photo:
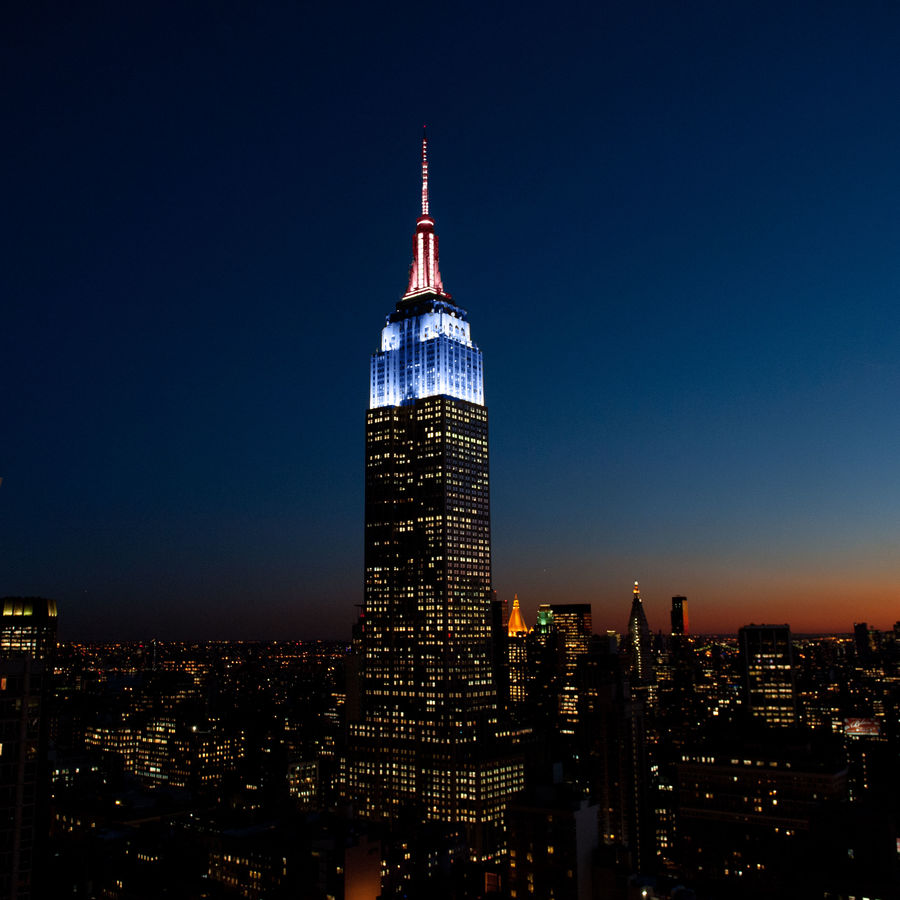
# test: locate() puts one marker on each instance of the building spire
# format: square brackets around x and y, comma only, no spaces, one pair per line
[424,274]
[424,171]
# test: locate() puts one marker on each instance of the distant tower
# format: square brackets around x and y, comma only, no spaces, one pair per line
[517,637]
[27,649]
[574,627]
[639,639]
[544,673]
[767,664]
[862,640]
[544,622]
[680,616]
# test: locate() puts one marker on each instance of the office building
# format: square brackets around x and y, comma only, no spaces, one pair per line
[574,628]
[543,623]
[27,647]
[749,803]
[767,670]
[552,842]
[424,740]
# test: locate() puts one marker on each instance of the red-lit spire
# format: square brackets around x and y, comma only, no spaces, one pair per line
[424,274]
[424,172]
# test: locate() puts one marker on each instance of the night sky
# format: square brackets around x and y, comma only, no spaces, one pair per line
[675,226]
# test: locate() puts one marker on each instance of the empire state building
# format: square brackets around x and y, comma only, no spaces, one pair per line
[423,739]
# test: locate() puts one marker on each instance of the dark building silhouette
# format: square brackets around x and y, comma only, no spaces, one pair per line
[424,744]
[613,762]
[27,647]
[680,616]
[749,806]
[500,649]
[863,641]
[552,842]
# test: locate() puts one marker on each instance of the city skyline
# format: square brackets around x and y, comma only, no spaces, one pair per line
[677,232]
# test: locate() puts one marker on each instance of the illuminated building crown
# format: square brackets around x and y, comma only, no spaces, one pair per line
[424,273]
[426,343]
[516,621]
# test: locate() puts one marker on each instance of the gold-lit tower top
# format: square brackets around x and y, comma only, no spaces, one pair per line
[516,621]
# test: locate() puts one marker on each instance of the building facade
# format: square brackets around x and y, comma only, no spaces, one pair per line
[767,667]
[574,626]
[27,648]
[423,740]
[749,806]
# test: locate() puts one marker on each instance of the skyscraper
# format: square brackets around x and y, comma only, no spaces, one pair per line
[424,740]
[574,627]
[517,655]
[639,639]
[679,616]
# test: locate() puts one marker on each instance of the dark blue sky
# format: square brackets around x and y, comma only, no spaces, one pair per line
[675,227]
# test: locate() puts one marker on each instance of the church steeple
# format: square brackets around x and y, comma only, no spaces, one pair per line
[424,274]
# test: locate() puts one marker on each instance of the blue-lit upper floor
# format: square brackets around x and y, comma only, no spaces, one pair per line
[426,346]
[426,351]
